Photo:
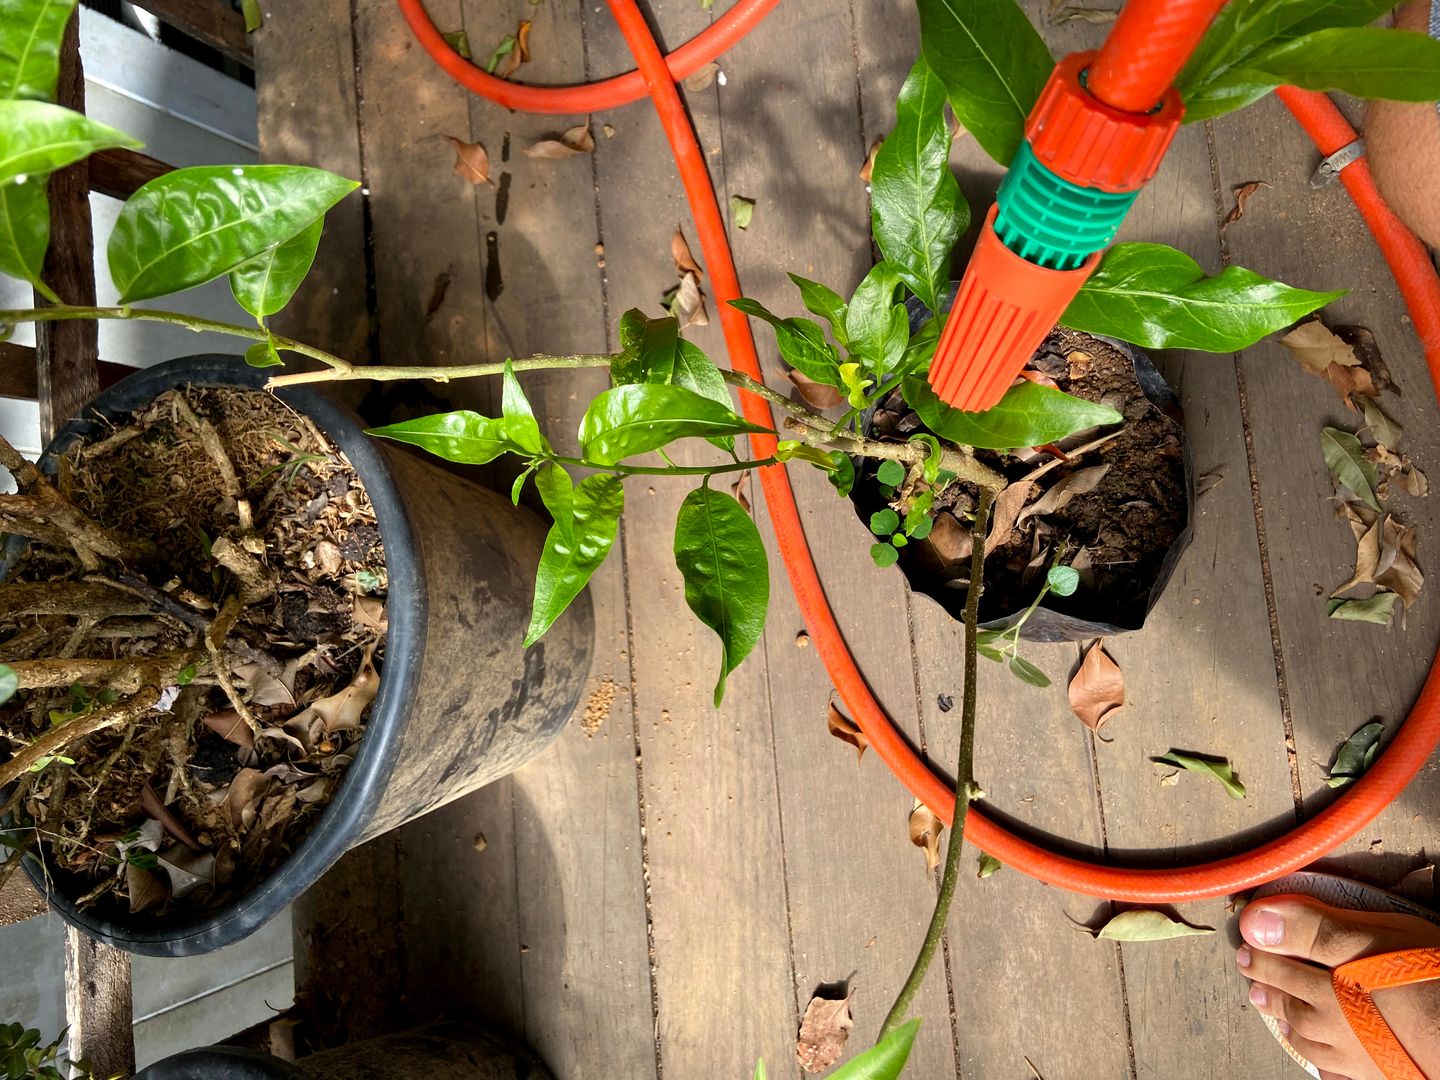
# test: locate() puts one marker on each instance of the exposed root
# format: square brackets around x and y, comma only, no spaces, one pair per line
[215,449]
[214,642]
[98,601]
[257,581]
[61,738]
[123,676]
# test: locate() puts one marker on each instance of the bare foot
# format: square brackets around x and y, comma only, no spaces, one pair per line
[1294,941]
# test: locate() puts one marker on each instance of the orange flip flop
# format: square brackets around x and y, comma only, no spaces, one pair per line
[1356,981]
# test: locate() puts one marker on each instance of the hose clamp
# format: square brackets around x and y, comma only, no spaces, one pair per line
[1329,169]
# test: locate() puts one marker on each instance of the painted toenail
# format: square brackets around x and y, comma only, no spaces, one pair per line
[1242,957]
[1268,927]
[1257,996]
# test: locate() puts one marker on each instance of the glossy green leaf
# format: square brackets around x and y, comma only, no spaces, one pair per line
[557,492]
[9,683]
[993,64]
[1159,298]
[250,9]
[794,450]
[855,383]
[263,354]
[36,138]
[1218,769]
[1139,924]
[462,436]
[726,572]
[878,328]
[658,341]
[519,419]
[916,210]
[570,558]
[1379,609]
[884,555]
[760,1070]
[843,476]
[921,348]
[625,366]
[1244,28]
[24,228]
[742,211]
[988,866]
[1028,415]
[634,419]
[801,343]
[1355,754]
[518,487]
[264,284]
[697,372]
[823,301]
[191,225]
[30,35]
[1063,580]
[883,1061]
[1027,672]
[884,522]
[890,472]
[1345,458]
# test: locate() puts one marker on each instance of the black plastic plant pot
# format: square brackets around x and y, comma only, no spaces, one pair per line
[1100,607]
[460,702]
[448,1050]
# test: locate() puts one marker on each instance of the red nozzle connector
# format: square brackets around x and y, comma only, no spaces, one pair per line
[1005,307]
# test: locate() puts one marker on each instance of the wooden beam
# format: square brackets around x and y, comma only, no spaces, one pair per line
[66,352]
[212,22]
[120,173]
[99,1008]
[18,375]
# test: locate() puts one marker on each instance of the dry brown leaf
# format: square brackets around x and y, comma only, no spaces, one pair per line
[266,689]
[925,829]
[1368,350]
[1006,512]
[186,870]
[1397,569]
[472,163]
[1098,688]
[844,729]
[736,490]
[229,726]
[823,1031]
[1058,497]
[869,166]
[1367,558]
[701,78]
[242,796]
[520,54]
[369,611]
[146,889]
[1384,430]
[1416,482]
[1242,196]
[153,805]
[950,540]
[684,261]
[817,395]
[688,306]
[609,130]
[1350,382]
[1317,348]
[1360,518]
[1418,885]
[341,711]
[576,140]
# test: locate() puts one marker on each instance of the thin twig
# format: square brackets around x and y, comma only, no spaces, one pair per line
[215,450]
[60,738]
[966,789]
[124,676]
[214,641]
[959,460]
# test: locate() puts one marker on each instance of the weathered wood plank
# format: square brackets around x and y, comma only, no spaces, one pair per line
[98,1004]
[859,894]
[120,173]
[580,878]
[20,379]
[212,22]
[1339,675]
[722,954]
[66,352]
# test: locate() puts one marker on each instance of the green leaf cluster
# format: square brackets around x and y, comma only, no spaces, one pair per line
[24,1056]
[1003,646]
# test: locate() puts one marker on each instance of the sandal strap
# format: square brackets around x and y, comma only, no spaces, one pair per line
[1354,983]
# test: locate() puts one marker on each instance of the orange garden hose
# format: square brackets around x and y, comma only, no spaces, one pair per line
[1317,837]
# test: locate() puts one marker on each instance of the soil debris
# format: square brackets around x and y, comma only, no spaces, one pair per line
[597,706]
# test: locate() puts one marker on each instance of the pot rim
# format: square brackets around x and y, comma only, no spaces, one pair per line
[355,800]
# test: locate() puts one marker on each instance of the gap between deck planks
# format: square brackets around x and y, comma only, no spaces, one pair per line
[765,853]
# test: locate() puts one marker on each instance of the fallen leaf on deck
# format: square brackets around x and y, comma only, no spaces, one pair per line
[741,211]
[925,829]
[1416,482]
[151,803]
[1363,342]
[1355,755]
[576,140]
[701,78]
[1367,558]
[1386,431]
[1098,688]
[1397,569]
[1058,497]
[521,53]
[609,130]
[845,729]
[1418,885]
[504,49]
[1351,470]
[459,40]
[823,1032]
[987,866]
[186,870]
[1317,348]
[1242,196]
[817,395]
[242,796]
[869,166]
[229,726]
[1217,768]
[684,260]
[1379,608]
[145,889]
[687,303]
[1005,513]
[1141,924]
[1170,779]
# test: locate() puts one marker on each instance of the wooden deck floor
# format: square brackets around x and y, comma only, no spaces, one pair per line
[662,896]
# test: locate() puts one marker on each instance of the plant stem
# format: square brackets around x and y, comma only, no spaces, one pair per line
[385,373]
[678,470]
[966,789]
[60,738]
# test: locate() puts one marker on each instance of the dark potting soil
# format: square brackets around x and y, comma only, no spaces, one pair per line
[1117,534]
[253,513]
